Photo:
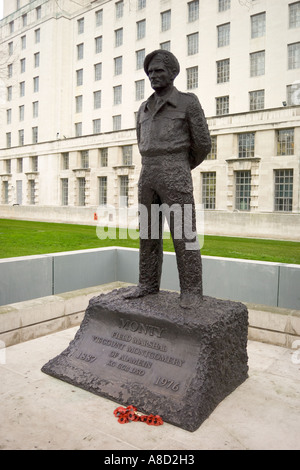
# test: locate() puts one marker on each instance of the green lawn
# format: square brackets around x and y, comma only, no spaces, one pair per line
[22,238]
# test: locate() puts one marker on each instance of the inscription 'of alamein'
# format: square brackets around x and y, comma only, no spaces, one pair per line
[136,350]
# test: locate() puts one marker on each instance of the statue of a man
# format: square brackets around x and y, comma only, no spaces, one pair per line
[173,138]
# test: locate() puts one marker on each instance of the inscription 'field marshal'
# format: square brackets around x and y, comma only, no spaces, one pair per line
[148,352]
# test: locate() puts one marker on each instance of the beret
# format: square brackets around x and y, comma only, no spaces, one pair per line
[167,57]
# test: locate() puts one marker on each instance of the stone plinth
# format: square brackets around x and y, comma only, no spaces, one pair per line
[151,353]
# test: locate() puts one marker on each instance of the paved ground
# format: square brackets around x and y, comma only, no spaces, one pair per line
[40,412]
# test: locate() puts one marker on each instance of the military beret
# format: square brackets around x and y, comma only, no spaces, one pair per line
[167,57]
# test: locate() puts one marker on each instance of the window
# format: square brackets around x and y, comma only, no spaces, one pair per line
[102,190]
[98,44]
[224,5]
[214,149]
[99,18]
[8,166]
[8,139]
[9,93]
[64,191]
[166,45]
[37,59]
[246,145]
[81,191]
[223,71]
[294,15]
[257,64]
[19,184]
[35,109]
[243,190]
[21,137]
[294,55]
[84,159]
[141,29]
[36,84]
[38,11]
[97,99]
[193,43]
[31,184]
[222,105]
[11,27]
[140,57]
[285,142]
[139,90]
[10,48]
[23,43]
[118,65]
[127,155]
[23,65]
[78,129]
[209,190]
[141,4]
[258,25]
[123,191]
[80,26]
[118,37]
[119,9]
[65,161]
[283,190]
[35,135]
[165,20]
[24,19]
[21,112]
[34,163]
[79,77]
[117,122]
[22,89]
[8,116]
[192,77]
[224,35]
[96,126]
[117,94]
[20,165]
[193,11]
[293,94]
[5,192]
[257,100]
[80,51]
[98,71]
[104,157]
[78,103]
[37,36]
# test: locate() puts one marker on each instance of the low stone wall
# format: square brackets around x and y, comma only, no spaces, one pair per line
[31,319]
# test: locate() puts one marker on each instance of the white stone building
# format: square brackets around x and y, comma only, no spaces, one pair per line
[72,80]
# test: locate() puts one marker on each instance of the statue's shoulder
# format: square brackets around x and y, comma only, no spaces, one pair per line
[188,99]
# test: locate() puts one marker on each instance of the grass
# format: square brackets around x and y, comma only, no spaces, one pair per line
[22,238]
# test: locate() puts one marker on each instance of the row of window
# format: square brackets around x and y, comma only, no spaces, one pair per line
[283,190]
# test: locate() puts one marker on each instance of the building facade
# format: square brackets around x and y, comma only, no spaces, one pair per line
[72,80]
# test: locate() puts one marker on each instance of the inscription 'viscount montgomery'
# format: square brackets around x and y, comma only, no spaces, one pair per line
[138,327]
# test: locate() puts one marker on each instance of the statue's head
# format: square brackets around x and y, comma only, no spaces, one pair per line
[164,61]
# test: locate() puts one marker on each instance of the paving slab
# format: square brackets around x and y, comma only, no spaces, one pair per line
[41,412]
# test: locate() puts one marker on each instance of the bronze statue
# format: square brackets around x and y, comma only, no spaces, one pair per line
[173,138]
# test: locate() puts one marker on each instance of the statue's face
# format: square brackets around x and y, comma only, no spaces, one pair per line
[159,76]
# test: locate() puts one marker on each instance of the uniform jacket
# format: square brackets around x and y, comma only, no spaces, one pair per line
[176,126]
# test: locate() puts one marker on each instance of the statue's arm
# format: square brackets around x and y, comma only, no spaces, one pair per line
[199,133]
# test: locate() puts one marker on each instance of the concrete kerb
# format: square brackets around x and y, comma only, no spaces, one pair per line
[31,319]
